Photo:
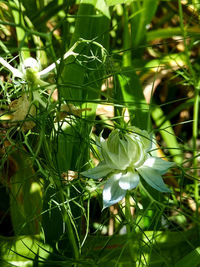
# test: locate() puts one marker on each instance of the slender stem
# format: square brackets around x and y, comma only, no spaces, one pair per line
[70,229]
[126,40]
[195,110]
[183,30]
[129,225]
[195,153]
[69,53]
[16,8]
[64,209]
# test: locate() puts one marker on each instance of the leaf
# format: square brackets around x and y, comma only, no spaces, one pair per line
[23,249]
[116,2]
[73,151]
[159,248]
[25,193]
[170,32]
[167,133]
[191,259]
[133,98]
[144,14]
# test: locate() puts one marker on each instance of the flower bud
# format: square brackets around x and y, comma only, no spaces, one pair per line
[30,68]
[30,63]
[125,150]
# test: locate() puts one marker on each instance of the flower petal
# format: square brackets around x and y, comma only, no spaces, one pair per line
[129,180]
[135,150]
[97,172]
[153,178]
[99,139]
[112,192]
[144,136]
[158,164]
[107,155]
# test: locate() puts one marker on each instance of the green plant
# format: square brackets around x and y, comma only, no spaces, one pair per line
[73,74]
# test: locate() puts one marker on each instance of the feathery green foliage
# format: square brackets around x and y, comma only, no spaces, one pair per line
[104,65]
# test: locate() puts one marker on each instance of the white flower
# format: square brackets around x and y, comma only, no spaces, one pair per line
[30,68]
[30,63]
[125,159]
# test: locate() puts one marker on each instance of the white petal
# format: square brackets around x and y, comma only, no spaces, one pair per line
[123,157]
[106,155]
[158,164]
[99,140]
[144,136]
[30,63]
[14,71]
[146,139]
[112,192]
[111,159]
[129,180]
[97,172]
[135,150]
[153,178]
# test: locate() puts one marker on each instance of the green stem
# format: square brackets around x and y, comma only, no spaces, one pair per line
[64,210]
[184,33]
[70,229]
[126,40]
[196,109]
[129,225]
[195,153]
[16,8]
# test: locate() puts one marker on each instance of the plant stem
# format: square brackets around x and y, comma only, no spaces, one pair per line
[126,40]
[195,110]
[129,225]
[64,210]
[70,229]
[195,153]
[16,7]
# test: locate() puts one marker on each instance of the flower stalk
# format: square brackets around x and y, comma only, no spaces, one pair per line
[129,225]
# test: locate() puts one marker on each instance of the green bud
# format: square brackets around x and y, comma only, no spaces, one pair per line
[30,69]
[125,150]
